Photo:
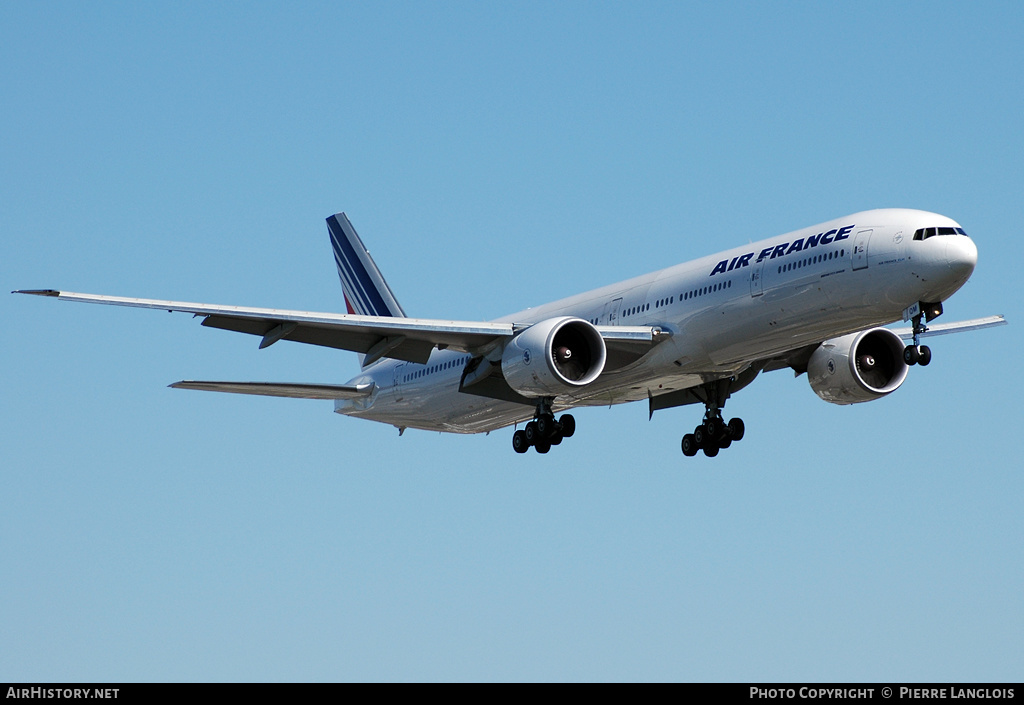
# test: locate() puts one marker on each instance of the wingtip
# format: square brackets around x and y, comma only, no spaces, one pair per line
[37,292]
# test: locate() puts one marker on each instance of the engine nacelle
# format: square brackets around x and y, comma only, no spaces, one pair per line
[858,367]
[553,357]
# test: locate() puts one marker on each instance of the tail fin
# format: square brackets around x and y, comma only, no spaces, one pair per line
[366,292]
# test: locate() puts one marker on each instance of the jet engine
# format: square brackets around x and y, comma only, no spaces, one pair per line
[858,367]
[553,357]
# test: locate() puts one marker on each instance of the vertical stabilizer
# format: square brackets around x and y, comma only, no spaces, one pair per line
[366,292]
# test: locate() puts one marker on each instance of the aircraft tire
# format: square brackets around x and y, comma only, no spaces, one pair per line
[690,446]
[711,451]
[568,425]
[532,434]
[712,427]
[925,356]
[543,447]
[700,436]
[737,429]
[519,442]
[911,355]
[546,425]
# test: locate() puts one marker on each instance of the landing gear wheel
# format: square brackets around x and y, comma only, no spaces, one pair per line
[700,436]
[556,439]
[532,434]
[925,355]
[546,425]
[725,442]
[911,355]
[711,451]
[519,442]
[736,429]
[712,427]
[690,445]
[568,425]
[543,447]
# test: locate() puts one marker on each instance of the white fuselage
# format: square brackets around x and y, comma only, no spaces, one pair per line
[724,311]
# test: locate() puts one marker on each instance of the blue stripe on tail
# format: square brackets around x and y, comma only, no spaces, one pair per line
[362,282]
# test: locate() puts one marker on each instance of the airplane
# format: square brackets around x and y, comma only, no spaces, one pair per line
[814,300]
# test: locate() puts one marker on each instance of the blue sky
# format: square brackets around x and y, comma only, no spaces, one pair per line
[492,157]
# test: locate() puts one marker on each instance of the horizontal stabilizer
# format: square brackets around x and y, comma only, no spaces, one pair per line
[953,327]
[273,389]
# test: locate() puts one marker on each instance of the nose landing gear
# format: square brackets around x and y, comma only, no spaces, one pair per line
[918,354]
[544,431]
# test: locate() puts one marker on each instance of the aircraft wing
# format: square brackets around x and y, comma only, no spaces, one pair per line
[275,389]
[953,327]
[409,339]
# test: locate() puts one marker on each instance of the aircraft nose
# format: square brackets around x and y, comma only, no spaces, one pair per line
[961,255]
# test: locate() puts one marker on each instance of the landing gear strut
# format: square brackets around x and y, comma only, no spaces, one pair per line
[544,431]
[713,434]
[918,354]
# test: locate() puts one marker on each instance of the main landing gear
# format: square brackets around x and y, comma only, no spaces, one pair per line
[713,434]
[544,431]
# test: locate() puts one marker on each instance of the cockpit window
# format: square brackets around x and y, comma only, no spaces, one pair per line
[925,233]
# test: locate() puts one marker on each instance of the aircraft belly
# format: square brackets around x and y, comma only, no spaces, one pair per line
[448,410]
[442,408]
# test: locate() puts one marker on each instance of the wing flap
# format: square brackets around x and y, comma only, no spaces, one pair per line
[339,336]
[275,389]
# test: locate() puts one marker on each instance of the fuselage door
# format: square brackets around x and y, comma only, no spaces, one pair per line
[611,312]
[860,250]
[399,371]
[756,285]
